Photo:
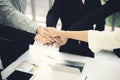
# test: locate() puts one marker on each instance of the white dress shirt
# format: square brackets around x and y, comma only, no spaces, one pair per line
[83,1]
[103,40]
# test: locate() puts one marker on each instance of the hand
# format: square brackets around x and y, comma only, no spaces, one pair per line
[63,42]
[44,32]
[52,31]
[43,39]
[55,33]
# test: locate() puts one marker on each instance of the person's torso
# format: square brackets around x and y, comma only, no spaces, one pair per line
[71,11]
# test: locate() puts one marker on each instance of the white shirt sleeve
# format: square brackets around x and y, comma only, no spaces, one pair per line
[103,40]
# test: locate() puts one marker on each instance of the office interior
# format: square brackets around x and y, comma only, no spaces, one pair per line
[47,63]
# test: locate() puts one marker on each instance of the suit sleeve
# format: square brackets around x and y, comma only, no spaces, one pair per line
[102,12]
[15,17]
[16,35]
[53,15]
[101,23]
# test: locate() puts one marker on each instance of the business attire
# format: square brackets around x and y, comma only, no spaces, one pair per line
[13,43]
[107,40]
[70,11]
[12,14]
[111,39]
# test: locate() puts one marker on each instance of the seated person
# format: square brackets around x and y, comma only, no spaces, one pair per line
[70,11]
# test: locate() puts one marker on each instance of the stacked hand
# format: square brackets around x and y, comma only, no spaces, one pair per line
[49,36]
[56,34]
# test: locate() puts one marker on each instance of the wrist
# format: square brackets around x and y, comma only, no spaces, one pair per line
[61,33]
[38,30]
[37,37]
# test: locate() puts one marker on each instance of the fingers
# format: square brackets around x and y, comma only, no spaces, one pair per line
[48,33]
[45,34]
[48,44]
[63,42]
[49,37]
[57,39]
[52,31]
[42,39]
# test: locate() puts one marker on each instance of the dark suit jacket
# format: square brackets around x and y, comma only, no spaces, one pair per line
[111,6]
[70,11]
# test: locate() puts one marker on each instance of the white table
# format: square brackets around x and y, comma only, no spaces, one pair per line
[97,68]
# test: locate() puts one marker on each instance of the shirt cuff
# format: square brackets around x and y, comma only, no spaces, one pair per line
[92,41]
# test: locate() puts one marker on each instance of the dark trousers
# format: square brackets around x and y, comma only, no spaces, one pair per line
[117,52]
[13,43]
[10,51]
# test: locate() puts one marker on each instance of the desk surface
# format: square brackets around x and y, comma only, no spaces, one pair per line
[38,54]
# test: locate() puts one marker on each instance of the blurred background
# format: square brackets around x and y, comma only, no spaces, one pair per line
[37,10]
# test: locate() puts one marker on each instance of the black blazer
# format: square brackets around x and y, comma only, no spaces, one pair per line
[70,11]
[111,6]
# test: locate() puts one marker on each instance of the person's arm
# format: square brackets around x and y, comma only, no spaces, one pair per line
[104,11]
[9,33]
[53,15]
[97,40]
[103,40]
[12,15]
[78,35]
[99,25]
[16,35]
